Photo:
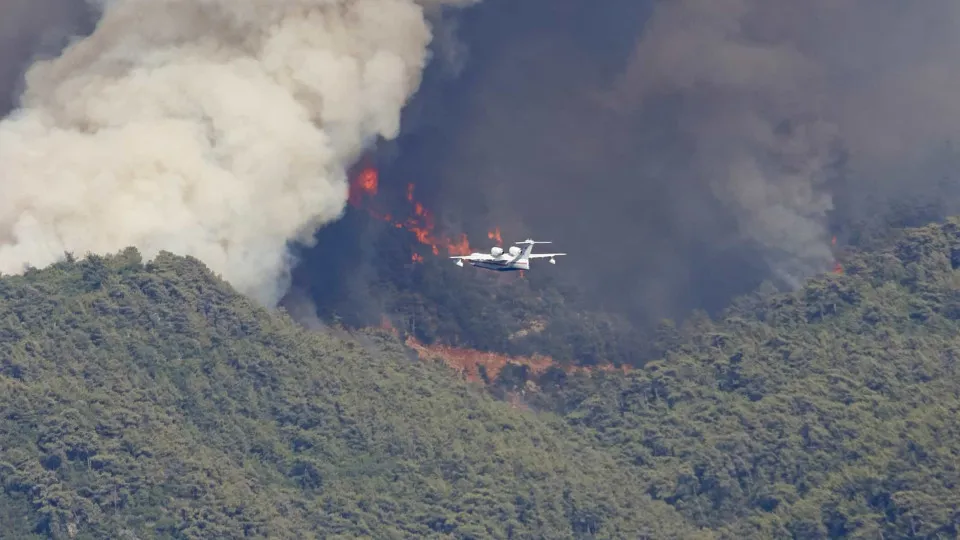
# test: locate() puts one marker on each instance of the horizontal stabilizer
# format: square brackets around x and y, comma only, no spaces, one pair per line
[528,241]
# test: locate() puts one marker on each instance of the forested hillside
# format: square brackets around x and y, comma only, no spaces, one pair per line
[152,401]
[829,412]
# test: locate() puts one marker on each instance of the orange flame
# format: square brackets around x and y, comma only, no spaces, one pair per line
[469,362]
[495,235]
[837,267]
[421,223]
[366,182]
[385,324]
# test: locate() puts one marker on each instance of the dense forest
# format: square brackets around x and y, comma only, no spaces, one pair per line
[829,412]
[152,401]
[149,400]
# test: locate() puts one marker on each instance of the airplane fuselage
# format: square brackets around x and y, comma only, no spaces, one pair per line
[503,265]
[512,260]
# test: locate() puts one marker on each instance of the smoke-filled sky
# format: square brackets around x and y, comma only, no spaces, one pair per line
[683,150]
[679,150]
[33,29]
[214,128]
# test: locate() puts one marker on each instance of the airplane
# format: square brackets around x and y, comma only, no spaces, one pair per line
[514,259]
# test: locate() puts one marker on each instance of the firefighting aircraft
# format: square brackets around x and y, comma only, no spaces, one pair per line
[514,259]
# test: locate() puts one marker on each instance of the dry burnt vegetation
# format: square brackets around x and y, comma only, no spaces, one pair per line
[437,303]
[150,400]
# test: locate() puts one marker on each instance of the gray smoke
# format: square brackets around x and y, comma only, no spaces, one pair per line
[773,90]
[684,150]
[219,129]
[33,29]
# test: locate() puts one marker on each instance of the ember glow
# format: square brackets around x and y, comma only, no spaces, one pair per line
[365,185]
[476,365]
[837,267]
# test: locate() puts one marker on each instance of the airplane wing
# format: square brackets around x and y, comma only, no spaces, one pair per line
[474,257]
[542,255]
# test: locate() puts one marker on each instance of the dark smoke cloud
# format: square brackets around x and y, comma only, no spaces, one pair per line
[683,151]
[32,29]
[774,91]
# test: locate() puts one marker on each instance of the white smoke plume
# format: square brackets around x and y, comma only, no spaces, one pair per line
[219,129]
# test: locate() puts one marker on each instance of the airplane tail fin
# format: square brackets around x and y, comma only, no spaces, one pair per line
[529,243]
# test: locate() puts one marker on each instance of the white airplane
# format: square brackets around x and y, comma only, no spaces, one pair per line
[513,259]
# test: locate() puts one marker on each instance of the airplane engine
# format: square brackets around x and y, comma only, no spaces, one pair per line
[496,251]
[514,251]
